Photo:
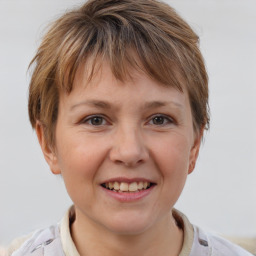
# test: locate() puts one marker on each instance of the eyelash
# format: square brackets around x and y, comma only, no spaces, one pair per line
[166,120]
[88,120]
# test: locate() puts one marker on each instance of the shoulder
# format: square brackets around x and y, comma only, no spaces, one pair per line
[211,245]
[42,242]
[16,244]
[223,247]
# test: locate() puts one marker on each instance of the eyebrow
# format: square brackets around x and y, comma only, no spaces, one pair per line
[106,105]
[93,103]
[157,104]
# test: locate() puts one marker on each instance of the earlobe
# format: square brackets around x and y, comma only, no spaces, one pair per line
[48,152]
[191,167]
[195,151]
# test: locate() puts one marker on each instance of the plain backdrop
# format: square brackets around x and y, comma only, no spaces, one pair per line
[220,195]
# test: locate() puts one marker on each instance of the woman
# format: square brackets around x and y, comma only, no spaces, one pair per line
[119,101]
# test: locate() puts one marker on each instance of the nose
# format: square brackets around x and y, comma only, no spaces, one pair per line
[129,148]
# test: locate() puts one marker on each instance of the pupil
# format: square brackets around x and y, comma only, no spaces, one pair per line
[97,120]
[158,120]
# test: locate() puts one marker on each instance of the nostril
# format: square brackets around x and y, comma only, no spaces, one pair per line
[118,162]
[133,163]
[128,162]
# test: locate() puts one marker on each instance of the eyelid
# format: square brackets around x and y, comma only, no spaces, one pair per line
[170,119]
[86,119]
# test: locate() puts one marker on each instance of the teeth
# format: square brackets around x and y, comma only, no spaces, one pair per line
[110,185]
[125,187]
[116,186]
[140,185]
[133,187]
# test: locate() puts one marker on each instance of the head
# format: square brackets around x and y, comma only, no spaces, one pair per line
[143,35]
[119,95]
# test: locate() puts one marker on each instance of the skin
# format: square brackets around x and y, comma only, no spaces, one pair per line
[142,130]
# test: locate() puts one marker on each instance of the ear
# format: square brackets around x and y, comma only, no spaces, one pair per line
[195,150]
[48,151]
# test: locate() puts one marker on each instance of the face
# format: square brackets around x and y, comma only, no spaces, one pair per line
[124,150]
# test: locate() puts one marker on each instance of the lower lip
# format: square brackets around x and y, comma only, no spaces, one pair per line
[128,196]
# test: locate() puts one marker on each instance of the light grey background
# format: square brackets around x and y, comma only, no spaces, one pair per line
[221,193]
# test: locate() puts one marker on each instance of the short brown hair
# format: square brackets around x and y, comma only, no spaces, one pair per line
[165,45]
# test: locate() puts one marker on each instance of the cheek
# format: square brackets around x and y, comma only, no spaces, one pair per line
[79,162]
[79,153]
[172,160]
[172,154]
[174,169]
[78,169]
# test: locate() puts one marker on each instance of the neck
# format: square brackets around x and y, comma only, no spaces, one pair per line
[165,238]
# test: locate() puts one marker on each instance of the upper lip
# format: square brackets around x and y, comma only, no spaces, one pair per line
[128,180]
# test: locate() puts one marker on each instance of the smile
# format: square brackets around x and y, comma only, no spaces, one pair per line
[127,187]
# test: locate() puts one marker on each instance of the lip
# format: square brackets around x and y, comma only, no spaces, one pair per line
[128,196]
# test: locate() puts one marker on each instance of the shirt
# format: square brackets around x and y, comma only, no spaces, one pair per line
[57,241]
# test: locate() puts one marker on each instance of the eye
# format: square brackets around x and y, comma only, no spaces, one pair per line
[160,120]
[95,120]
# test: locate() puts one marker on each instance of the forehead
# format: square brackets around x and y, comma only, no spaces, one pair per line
[123,68]
[93,72]
[105,90]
